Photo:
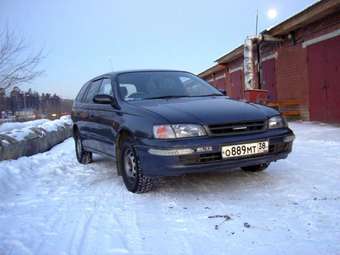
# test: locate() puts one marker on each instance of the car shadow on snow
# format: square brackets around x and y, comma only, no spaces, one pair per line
[228,180]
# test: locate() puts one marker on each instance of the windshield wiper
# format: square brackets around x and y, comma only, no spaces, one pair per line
[164,97]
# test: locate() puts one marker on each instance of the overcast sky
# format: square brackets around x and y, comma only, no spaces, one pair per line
[83,38]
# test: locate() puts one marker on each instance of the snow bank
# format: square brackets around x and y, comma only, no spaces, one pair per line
[8,126]
[31,137]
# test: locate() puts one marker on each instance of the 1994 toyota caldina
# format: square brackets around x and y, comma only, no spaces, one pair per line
[164,123]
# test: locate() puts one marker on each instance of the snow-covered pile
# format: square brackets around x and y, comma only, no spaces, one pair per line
[27,138]
[9,126]
[50,204]
[21,130]
[55,124]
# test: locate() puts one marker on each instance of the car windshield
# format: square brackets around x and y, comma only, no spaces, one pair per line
[162,84]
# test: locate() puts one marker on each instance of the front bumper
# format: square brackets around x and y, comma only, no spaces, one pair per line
[156,165]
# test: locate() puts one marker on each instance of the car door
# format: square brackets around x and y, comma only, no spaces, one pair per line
[88,129]
[80,114]
[105,118]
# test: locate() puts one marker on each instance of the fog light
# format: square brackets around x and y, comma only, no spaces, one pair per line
[289,138]
[174,152]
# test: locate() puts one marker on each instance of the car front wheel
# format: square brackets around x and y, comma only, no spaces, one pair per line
[132,173]
[256,168]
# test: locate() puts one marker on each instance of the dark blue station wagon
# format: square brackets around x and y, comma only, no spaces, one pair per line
[164,123]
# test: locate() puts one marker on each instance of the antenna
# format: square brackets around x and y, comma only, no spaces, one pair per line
[110,62]
[257,21]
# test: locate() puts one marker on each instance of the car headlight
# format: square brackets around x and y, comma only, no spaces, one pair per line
[277,122]
[178,131]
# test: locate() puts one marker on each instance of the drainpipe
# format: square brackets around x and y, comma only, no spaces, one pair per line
[259,64]
[248,63]
[252,91]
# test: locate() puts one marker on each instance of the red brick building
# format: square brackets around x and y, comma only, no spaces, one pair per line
[297,62]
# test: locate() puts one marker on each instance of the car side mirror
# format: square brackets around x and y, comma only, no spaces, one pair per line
[223,91]
[103,99]
[106,99]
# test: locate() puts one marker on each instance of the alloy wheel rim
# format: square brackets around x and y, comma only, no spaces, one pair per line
[130,166]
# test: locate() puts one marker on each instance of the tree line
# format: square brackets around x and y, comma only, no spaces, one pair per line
[19,65]
[18,100]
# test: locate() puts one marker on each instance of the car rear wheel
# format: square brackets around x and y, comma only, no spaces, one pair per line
[132,173]
[255,168]
[83,157]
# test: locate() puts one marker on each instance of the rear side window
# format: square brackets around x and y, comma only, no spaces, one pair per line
[92,91]
[105,87]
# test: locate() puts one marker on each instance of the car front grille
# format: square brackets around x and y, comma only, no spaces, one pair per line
[217,156]
[237,128]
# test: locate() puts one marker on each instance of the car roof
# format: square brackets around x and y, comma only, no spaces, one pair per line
[115,73]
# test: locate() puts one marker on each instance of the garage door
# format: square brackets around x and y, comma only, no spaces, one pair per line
[269,78]
[324,79]
[219,81]
[236,84]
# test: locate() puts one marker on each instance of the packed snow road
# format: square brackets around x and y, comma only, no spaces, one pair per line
[50,204]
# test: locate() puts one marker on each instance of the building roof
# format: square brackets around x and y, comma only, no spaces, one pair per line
[311,14]
[211,70]
[231,55]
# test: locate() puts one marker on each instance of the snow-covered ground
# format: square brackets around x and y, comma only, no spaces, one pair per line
[50,204]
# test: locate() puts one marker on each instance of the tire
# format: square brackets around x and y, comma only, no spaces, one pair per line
[255,168]
[83,157]
[131,171]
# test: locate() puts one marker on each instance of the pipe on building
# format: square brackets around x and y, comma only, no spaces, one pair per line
[248,63]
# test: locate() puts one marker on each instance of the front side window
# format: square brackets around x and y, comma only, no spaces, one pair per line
[92,91]
[162,84]
[105,87]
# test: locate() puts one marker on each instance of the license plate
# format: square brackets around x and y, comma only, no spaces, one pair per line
[246,149]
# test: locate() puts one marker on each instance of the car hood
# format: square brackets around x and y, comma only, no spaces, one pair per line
[207,110]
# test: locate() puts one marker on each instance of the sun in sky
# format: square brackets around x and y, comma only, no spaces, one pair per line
[272,13]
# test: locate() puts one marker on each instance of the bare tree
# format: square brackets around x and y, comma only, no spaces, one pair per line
[16,65]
